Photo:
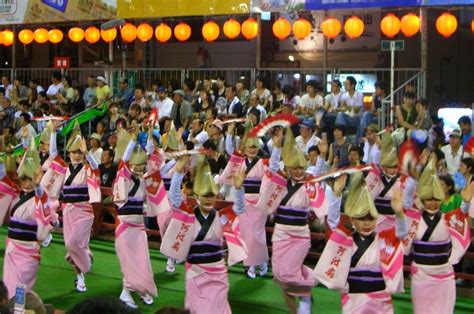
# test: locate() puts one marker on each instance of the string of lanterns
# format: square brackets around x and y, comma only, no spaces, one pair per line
[390,25]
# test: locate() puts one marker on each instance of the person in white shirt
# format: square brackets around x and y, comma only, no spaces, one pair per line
[33,84]
[372,152]
[454,152]
[351,106]
[163,103]
[27,132]
[198,136]
[254,103]
[307,138]
[7,85]
[55,88]
[311,104]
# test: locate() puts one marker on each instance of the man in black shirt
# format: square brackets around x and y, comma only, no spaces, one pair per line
[108,170]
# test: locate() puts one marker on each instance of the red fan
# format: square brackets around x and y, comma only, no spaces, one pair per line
[237,120]
[284,120]
[48,118]
[153,117]
[469,147]
[408,156]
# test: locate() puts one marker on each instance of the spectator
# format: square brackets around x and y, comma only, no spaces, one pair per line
[234,106]
[6,85]
[331,101]
[311,104]
[465,125]
[55,88]
[68,91]
[112,117]
[95,146]
[423,120]
[254,116]
[216,159]
[90,97]
[112,138]
[264,95]
[134,114]
[172,86]
[254,103]
[102,90]
[107,168]
[307,137]
[101,304]
[164,104]
[372,152]
[356,156]
[316,161]
[32,98]
[124,94]
[188,88]
[290,97]
[27,132]
[406,113]
[215,132]
[20,87]
[378,97]
[7,113]
[197,135]
[77,102]
[203,103]
[221,84]
[8,137]
[453,152]
[101,130]
[139,96]
[211,115]
[339,149]
[351,106]
[242,92]
[181,112]
[34,84]
[452,200]
[277,98]
[33,304]
[22,108]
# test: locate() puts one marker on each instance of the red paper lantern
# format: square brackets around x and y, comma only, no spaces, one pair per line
[55,36]
[210,31]
[92,34]
[390,25]
[108,35]
[354,27]
[331,27]
[163,33]
[41,35]
[410,24]
[232,29]
[128,32]
[446,24]
[281,28]
[76,34]
[250,28]
[182,31]
[8,37]
[144,32]
[472,25]
[301,28]
[26,36]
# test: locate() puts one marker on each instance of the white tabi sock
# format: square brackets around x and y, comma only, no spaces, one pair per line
[305,305]
[81,280]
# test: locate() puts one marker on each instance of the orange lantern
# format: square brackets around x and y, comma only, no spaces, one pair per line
[472,25]
[76,34]
[26,36]
[354,27]
[144,32]
[108,35]
[390,25]
[232,29]
[210,31]
[281,28]
[163,33]
[1,38]
[8,37]
[446,24]
[250,28]
[410,24]
[182,31]
[92,34]
[331,27]
[55,36]
[301,28]
[41,35]
[128,32]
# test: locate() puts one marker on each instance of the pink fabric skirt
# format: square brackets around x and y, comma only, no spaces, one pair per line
[131,246]
[360,303]
[433,296]
[20,266]
[252,230]
[163,221]
[287,266]
[207,293]
[77,232]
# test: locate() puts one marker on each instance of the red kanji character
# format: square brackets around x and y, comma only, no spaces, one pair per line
[335,261]
[184,227]
[330,272]
[269,203]
[341,250]
[274,196]
[180,237]
[176,246]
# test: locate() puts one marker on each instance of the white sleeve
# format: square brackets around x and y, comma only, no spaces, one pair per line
[202,137]
[150,147]
[3,172]
[128,151]
[229,145]
[92,162]
[53,147]
[334,212]
[239,200]
[275,157]
[409,193]
[401,228]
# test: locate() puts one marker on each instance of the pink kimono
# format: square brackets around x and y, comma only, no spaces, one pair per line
[199,239]
[29,223]
[77,187]
[365,271]
[252,221]
[381,189]
[131,241]
[291,238]
[437,243]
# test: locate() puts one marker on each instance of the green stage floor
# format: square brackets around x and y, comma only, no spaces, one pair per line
[261,295]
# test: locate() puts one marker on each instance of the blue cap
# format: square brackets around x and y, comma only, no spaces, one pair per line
[161,89]
[308,123]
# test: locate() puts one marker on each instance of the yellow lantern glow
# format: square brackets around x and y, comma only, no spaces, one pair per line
[390,25]
[281,28]
[26,36]
[8,37]
[108,35]
[331,27]
[301,28]
[76,34]
[182,31]
[128,32]
[354,27]
[163,33]
[446,24]
[410,24]
[232,29]
[55,36]
[144,32]
[92,34]
[41,35]
[210,31]
[250,28]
